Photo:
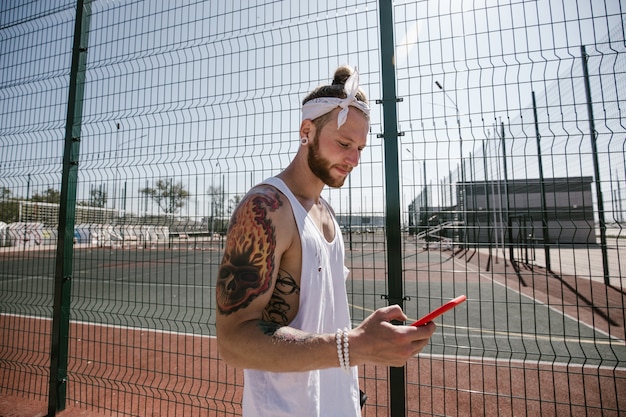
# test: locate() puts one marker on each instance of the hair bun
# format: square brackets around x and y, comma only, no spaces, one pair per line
[342,74]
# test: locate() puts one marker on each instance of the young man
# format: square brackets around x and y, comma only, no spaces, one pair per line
[283,311]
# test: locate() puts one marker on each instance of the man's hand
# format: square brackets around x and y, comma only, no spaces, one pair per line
[377,341]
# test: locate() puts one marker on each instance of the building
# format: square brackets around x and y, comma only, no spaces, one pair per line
[484,214]
[567,210]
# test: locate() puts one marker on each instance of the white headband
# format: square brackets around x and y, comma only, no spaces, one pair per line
[317,107]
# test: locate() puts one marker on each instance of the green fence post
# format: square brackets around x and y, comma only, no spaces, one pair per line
[67,211]
[542,190]
[506,195]
[593,134]
[397,388]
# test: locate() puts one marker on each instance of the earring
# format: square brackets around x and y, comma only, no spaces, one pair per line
[304,140]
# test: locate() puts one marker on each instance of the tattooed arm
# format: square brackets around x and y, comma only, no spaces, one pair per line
[257,298]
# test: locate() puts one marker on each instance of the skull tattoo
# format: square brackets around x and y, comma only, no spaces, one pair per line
[248,263]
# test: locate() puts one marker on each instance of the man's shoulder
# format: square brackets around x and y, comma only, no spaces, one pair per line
[265,211]
[265,199]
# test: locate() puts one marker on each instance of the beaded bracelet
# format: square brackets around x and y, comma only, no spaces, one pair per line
[338,337]
[346,351]
[343,348]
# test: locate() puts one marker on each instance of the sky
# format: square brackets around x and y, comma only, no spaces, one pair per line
[208,93]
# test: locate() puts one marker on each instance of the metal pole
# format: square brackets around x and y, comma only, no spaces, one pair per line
[412,209]
[26,219]
[495,228]
[620,209]
[506,193]
[462,207]
[450,186]
[487,205]
[425,193]
[67,212]
[474,187]
[596,168]
[458,124]
[350,211]
[542,190]
[397,386]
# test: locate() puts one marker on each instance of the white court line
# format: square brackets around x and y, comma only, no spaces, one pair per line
[507,334]
[147,284]
[485,276]
[474,360]
[468,359]
[24,278]
[499,334]
[613,340]
[107,281]
[115,326]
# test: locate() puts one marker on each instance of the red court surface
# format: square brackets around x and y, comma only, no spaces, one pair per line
[156,375]
[115,371]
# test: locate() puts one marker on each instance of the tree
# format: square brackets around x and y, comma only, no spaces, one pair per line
[216,195]
[49,196]
[216,198]
[5,193]
[98,197]
[234,202]
[169,197]
[9,208]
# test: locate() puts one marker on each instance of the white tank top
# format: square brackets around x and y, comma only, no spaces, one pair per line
[323,308]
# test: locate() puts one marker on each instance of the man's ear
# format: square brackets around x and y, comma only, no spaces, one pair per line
[307,129]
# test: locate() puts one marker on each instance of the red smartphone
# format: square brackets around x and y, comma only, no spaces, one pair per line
[439,311]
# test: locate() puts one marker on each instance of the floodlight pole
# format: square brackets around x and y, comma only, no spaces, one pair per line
[463,187]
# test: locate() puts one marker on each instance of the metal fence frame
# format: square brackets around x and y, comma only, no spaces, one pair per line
[98,76]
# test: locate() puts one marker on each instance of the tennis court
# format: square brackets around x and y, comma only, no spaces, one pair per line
[143,325]
[494,167]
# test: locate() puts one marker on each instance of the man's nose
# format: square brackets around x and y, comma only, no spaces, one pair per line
[353,157]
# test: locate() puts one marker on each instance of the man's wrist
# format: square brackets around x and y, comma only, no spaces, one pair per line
[343,348]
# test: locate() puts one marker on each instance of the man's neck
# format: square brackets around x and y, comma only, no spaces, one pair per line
[303,183]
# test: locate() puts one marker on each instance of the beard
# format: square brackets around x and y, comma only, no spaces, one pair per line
[321,167]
